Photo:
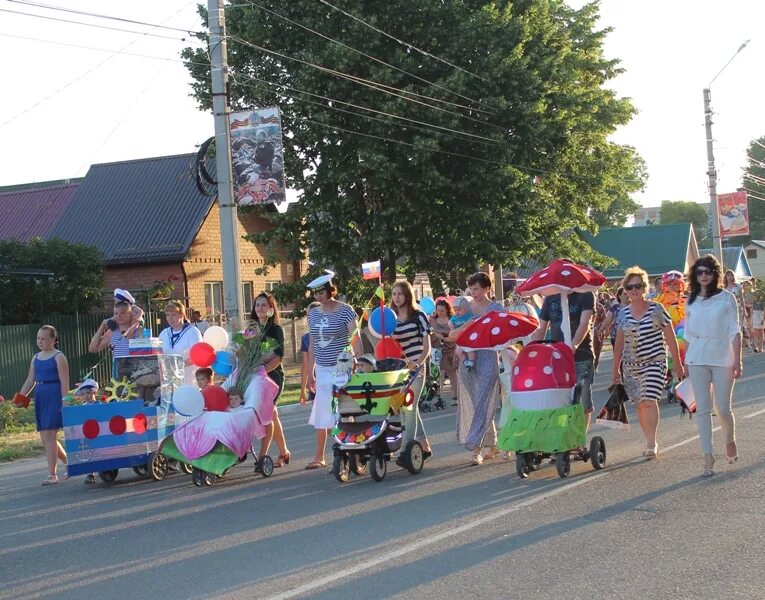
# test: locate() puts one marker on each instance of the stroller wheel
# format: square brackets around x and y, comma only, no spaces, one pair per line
[358,463]
[208,478]
[598,453]
[340,467]
[265,466]
[535,461]
[378,467]
[158,466]
[413,457]
[563,464]
[522,465]
[108,476]
[141,470]
[197,477]
[185,468]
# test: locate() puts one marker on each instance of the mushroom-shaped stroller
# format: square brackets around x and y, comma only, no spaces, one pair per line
[547,418]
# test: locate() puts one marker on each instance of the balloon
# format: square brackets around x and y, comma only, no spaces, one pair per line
[375,321]
[224,363]
[388,348]
[188,400]
[215,398]
[428,305]
[216,336]
[202,354]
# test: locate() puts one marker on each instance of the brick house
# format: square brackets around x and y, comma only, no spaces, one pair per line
[152,224]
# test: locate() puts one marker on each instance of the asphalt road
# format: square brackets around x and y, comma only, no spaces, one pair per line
[638,529]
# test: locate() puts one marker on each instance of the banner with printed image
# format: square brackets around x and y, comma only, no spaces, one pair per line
[257,156]
[733,212]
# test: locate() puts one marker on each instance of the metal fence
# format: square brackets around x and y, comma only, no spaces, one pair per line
[18,345]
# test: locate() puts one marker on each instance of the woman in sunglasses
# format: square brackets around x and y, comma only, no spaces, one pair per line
[713,358]
[643,333]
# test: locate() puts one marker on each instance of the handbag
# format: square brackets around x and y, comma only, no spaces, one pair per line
[684,392]
[20,400]
[614,414]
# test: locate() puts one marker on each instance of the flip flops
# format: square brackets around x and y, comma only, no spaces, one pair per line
[312,466]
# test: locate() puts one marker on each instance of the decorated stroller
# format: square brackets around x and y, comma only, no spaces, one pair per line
[431,398]
[547,418]
[214,441]
[369,427]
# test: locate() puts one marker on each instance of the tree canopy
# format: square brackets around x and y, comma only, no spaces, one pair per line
[489,145]
[44,277]
[687,211]
[754,185]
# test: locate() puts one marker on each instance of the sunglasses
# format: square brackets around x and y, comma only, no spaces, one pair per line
[634,286]
[703,271]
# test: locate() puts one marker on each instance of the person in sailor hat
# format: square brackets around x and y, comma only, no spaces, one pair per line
[136,311]
[87,391]
[331,324]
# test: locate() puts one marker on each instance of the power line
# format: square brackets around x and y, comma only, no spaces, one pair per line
[102,16]
[403,43]
[370,57]
[146,33]
[360,80]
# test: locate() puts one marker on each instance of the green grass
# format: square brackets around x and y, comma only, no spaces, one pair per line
[19,445]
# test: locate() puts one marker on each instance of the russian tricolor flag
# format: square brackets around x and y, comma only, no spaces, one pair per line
[371,270]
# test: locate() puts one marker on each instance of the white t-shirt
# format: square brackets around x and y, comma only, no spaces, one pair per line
[710,326]
[180,342]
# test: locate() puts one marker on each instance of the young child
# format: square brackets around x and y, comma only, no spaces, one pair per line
[204,377]
[86,393]
[461,316]
[235,398]
[136,312]
[366,363]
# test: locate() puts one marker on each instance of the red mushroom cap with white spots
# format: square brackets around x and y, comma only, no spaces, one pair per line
[544,367]
[562,276]
[495,330]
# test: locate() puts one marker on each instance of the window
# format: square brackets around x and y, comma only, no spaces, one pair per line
[214,297]
[247,296]
[270,285]
[752,253]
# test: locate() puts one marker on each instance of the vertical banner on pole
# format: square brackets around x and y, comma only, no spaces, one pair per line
[257,156]
[733,213]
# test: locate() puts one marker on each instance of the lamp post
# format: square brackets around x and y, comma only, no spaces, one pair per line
[711,170]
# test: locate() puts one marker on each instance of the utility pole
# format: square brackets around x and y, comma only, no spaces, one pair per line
[229,235]
[714,217]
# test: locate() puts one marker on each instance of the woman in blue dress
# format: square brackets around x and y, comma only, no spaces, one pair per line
[49,375]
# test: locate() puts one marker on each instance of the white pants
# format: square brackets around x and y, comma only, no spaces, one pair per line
[703,380]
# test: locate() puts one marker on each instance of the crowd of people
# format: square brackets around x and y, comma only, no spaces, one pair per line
[639,328]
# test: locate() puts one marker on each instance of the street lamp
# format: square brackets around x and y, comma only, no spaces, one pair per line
[711,170]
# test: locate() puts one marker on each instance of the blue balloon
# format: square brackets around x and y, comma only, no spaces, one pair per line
[428,305]
[375,321]
[224,364]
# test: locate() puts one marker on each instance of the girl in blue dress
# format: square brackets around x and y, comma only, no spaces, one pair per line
[49,375]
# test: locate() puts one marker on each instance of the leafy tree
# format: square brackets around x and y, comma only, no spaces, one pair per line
[44,277]
[754,185]
[687,211]
[521,163]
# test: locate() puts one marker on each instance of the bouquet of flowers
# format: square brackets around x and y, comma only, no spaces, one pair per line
[252,351]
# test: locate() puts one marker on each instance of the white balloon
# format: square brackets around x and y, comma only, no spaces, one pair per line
[188,400]
[217,337]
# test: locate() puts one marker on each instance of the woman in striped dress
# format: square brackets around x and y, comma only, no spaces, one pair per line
[643,332]
[413,333]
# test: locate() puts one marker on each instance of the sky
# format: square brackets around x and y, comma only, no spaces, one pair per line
[66,108]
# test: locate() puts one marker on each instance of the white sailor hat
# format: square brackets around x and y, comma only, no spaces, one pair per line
[123,296]
[322,282]
[88,384]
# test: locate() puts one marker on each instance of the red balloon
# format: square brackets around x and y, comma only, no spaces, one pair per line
[202,354]
[216,398]
[388,348]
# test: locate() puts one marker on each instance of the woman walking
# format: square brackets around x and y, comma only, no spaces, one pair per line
[49,375]
[266,314]
[440,325]
[644,331]
[331,324]
[713,357]
[479,385]
[413,333]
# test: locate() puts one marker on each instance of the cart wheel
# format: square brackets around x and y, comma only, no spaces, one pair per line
[197,476]
[340,467]
[358,463]
[208,478]
[535,461]
[266,466]
[598,453]
[158,466]
[108,476]
[413,457]
[141,470]
[185,468]
[378,467]
[522,465]
[563,464]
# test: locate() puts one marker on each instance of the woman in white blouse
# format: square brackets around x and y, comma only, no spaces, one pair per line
[179,336]
[713,357]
